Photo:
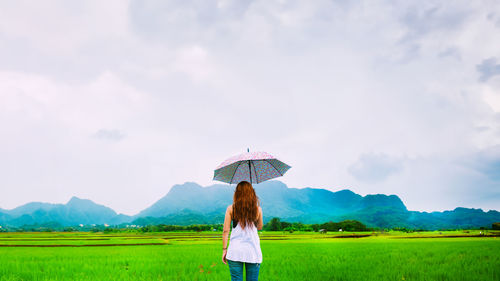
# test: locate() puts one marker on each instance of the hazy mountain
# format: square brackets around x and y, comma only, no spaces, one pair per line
[191,203]
[30,208]
[193,197]
[4,216]
[76,211]
[277,200]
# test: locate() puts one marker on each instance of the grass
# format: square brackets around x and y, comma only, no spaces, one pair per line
[297,256]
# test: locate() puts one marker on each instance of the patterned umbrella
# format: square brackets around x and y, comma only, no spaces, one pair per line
[254,167]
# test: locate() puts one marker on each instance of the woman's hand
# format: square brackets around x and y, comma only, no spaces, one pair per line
[225,232]
[224,253]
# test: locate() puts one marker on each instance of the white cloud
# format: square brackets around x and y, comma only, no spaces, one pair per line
[112,135]
[189,83]
[488,69]
[194,61]
[375,168]
[59,27]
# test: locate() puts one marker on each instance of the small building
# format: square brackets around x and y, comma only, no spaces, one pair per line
[340,229]
[322,231]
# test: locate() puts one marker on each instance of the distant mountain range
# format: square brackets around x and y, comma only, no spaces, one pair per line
[76,211]
[191,203]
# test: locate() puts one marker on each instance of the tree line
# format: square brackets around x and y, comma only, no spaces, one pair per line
[275,224]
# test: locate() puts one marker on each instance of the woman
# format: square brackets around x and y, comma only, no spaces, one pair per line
[244,246]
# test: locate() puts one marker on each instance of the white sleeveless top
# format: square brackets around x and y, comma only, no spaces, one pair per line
[244,245]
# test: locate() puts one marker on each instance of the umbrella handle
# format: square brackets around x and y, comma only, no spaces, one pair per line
[250,170]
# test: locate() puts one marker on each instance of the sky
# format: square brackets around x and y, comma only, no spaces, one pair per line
[117,101]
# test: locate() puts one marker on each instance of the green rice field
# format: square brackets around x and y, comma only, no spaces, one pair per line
[366,256]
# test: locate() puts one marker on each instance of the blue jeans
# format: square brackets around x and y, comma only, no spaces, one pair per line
[236,270]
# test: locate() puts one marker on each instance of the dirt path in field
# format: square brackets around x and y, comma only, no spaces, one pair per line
[88,245]
[447,236]
[351,236]
[52,239]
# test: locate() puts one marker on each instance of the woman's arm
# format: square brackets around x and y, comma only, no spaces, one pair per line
[225,231]
[260,222]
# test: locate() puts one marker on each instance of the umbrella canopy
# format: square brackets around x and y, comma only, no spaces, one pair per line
[254,167]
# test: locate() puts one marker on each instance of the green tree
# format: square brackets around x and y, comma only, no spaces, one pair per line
[316,227]
[274,224]
[285,225]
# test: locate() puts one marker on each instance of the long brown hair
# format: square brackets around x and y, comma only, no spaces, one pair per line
[245,204]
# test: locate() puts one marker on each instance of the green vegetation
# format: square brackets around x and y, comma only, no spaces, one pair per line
[287,256]
[495,226]
[168,228]
[275,224]
[191,204]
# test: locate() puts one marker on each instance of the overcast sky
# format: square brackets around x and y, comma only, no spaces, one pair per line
[116,101]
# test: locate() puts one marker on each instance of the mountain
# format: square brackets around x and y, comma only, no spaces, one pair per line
[190,203]
[30,208]
[76,211]
[309,205]
[193,197]
[183,217]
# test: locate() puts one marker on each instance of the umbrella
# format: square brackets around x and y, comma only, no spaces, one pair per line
[254,167]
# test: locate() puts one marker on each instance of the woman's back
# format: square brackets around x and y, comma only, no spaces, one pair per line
[244,244]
